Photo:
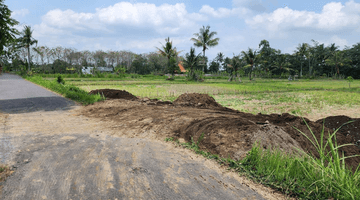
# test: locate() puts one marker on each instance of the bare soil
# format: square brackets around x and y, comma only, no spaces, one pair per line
[351,130]
[114,94]
[227,132]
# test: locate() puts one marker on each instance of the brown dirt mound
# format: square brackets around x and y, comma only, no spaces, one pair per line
[350,130]
[198,100]
[228,133]
[114,94]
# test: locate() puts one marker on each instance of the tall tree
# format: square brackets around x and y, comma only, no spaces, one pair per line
[234,67]
[338,60]
[191,61]
[7,31]
[282,63]
[251,57]
[26,40]
[41,52]
[220,58]
[301,52]
[168,51]
[205,39]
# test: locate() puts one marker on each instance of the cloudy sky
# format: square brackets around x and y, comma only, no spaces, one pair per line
[140,26]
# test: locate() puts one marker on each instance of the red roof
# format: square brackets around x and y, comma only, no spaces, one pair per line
[182,69]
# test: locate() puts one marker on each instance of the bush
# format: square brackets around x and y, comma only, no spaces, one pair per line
[60,80]
[196,75]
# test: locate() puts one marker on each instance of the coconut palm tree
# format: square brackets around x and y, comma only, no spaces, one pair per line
[251,57]
[338,59]
[205,39]
[191,62]
[302,51]
[168,51]
[26,40]
[282,63]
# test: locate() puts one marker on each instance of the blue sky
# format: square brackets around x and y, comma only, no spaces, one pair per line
[140,26]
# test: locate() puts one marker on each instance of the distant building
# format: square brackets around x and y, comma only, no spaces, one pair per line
[182,69]
[89,70]
[105,69]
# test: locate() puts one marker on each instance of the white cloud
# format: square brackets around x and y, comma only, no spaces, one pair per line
[224,12]
[20,13]
[334,17]
[337,40]
[255,5]
[163,19]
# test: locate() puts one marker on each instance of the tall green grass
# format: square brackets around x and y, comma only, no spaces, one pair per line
[306,177]
[69,91]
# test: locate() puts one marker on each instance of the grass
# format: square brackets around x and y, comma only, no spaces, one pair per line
[69,91]
[303,177]
[308,98]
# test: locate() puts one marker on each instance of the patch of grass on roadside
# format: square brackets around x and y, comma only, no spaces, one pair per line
[4,173]
[69,91]
[303,177]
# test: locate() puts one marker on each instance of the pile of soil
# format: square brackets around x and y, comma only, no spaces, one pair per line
[227,132]
[114,94]
[197,100]
[351,129]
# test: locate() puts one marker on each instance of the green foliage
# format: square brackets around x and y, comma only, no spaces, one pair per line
[26,41]
[60,80]
[305,177]
[205,39]
[349,79]
[169,139]
[7,31]
[120,71]
[252,58]
[69,91]
[196,75]
[172,66]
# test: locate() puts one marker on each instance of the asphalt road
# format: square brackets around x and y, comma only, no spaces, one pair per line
[18,95]
[56,155]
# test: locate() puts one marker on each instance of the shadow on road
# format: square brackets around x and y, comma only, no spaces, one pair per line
[35,104]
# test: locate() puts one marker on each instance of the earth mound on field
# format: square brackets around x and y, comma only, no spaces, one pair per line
[114,94]
[350,130]
[198,100]
[227,132]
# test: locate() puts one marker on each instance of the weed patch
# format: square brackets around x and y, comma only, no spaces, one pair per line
[69,91]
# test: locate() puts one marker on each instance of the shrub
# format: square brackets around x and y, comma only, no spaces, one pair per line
[60,80]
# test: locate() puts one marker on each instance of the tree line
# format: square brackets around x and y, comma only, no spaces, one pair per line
[19,52]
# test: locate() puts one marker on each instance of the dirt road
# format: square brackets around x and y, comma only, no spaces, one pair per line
[58,155]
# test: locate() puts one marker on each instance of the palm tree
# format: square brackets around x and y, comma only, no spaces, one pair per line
[282,63]
[205,39]
[27,41]
[191,61]
[338,59]
[301,51]
[235,64]
[251,57]
[168,51]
